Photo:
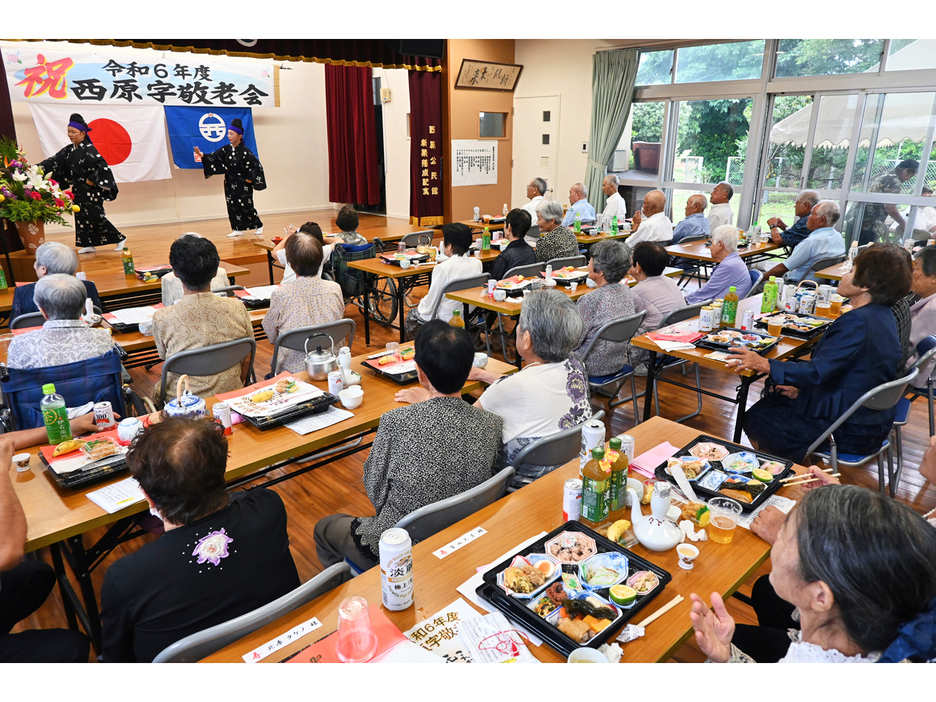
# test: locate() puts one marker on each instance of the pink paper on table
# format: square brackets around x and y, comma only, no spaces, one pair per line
[646,463]
[686,337]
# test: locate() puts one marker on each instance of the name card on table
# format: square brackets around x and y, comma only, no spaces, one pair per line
[258,654]
[459,542]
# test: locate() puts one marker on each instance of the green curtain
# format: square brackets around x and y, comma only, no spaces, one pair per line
[613,76]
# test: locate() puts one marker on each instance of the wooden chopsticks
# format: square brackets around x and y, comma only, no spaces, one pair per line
[806,478]
[663,610]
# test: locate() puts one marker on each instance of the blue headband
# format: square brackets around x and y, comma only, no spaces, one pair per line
[80,127]
[236,129]
[915,638]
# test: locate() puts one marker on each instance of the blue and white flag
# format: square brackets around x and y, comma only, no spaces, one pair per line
[206,128]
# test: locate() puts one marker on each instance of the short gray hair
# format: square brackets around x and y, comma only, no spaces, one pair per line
[613,178]
[554,323]
[810,196]
[57,258]
[582,188]
[540,185]
[611,258]
[727,187]
[726,234]
[60,296]
[550,210]
[830,210]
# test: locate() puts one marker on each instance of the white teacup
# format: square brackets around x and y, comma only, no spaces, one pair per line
[587,655]
[480,360]
[687,554]
[500,295]
[351,398]
[404,264]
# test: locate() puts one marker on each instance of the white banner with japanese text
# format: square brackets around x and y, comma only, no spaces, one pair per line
[134,77]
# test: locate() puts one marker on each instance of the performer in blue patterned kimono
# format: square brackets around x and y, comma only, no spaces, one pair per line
[82,168]
[242,175]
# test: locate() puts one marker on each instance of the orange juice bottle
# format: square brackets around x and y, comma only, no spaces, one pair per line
[456,320]
[595,483]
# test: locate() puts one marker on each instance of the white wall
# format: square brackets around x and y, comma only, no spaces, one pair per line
[396,141]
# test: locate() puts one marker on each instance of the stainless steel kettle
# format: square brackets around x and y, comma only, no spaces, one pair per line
[320,363]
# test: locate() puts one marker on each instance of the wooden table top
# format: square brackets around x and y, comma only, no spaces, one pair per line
[784,348]
[481,225]
[513,305]
[54,513]
[595,238]
[833,272]
[699,251]
[112,283]
[535,508]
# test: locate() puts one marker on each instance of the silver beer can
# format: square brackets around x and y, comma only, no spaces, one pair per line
[593,434]
[222,412]
[807,303]
[335,382]
[572,500]
[627,447]
[396,569]
[103,414]
[706,318]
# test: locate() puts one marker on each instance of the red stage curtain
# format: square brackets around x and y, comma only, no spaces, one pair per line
[352,135]
[426,170]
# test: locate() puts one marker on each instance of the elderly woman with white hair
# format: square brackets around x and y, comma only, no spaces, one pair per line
[64,338]
[729,272]
[52,258]
[172,290]
[556,241]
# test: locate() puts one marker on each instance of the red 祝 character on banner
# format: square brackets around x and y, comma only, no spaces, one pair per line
[47,77]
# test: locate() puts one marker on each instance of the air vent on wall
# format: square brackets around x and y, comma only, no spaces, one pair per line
[544,161]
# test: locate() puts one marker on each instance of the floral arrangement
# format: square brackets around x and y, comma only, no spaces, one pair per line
[26,194]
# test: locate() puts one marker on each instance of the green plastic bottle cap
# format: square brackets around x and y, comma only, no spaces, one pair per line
[598,453]
[48,389]
[733,289]
[773,279]
[615,444]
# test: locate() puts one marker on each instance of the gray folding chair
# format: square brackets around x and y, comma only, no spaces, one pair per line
[532,235]
[530,270]
[193,648]
[209,360]
[574,261]
[555,449]
[883,397]
[431,519]
[456,285]
[417,238]
[35,319]
[819,265]
[926,352]
[228,290]
[295,339]
[617,331]
[926,346]
[674,317]
[696,269]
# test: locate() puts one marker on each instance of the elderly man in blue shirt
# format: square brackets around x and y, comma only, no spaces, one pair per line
[730,270]
[579,205]
[695,221]
[784,235]
[823,242]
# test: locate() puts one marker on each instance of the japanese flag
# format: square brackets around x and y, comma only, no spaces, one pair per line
[132,139]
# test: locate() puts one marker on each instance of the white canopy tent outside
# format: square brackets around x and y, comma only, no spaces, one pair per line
[905,115]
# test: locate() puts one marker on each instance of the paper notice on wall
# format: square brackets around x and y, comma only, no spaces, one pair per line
[474,162]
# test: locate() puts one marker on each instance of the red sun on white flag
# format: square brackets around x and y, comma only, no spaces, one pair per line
[112,141]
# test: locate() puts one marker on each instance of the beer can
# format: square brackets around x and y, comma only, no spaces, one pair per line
[593,434]
[807,301]
[572,500]
[335,382]
[477,214]
[747,321]
[825,293]
[706,318]
[103,414]
[396,569]
[222,412]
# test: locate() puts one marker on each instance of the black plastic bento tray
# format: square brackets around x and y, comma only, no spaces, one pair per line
[796,332]
[103,470]
[567,281]
[715,346]
[772,487]
[420,258]
[518,611]
[315,405]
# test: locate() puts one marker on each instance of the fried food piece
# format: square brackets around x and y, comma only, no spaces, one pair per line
[737,495]
[387,360]
[286,385]
[67,447]
[516,580]
[262,396]
[691,509]
[575,629]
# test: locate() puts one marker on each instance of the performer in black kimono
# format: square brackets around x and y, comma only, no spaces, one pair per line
[242,175]
[82,168]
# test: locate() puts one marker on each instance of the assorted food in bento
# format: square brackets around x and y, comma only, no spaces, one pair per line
[709,451]
[692,467]
[274,398]
[571,547]
[737,338]
[801,325]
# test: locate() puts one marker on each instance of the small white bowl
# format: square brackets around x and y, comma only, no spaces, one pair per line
[480,360]
[351,398]
[587,655]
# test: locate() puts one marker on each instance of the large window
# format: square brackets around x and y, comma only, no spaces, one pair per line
[734,61]
[820,57]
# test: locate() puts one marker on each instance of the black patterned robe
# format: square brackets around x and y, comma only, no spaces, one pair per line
[73,167]
[238,164]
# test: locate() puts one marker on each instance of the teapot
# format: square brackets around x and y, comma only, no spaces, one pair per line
[187,405]
[320,363]
[655,532]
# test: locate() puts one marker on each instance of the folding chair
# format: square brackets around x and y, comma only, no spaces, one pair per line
[193,648]
[532,235]
[692,268]
[92,380]
[667,362]
[228,290]
[574,261]
[926,346]
[820,265]
[209,360]
[418,238]
[616,331]
[555,449]
[883,397]
[36,319]
[756,277]
[926,352]
[295,339]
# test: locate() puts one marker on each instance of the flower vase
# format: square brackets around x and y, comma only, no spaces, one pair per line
[32,234]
